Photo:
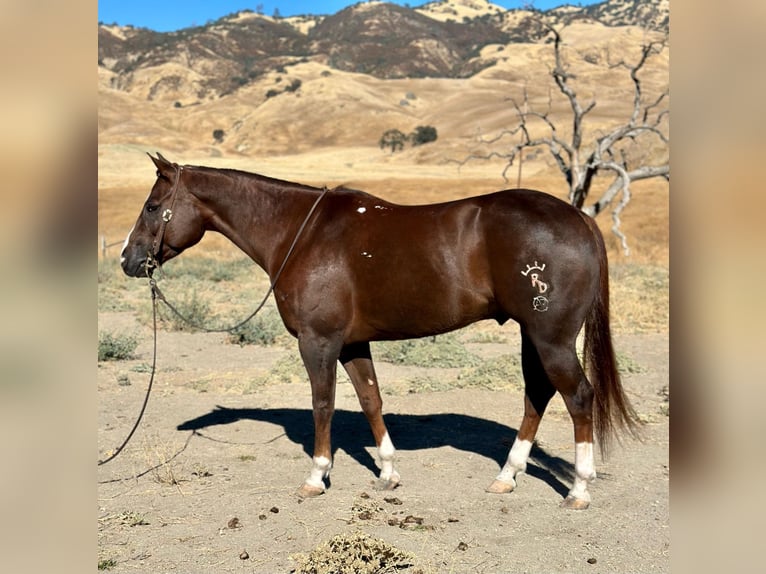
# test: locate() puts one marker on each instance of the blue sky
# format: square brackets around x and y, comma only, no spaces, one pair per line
[169,15]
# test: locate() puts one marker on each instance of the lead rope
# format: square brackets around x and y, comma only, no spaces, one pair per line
[151,381]
[157,294]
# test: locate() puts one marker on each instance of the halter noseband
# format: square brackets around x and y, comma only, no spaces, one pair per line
[152,260]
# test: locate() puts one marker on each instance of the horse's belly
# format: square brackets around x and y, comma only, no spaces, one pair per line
[421,310]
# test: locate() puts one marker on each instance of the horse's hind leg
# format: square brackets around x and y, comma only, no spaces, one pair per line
[357,361]
[567,376]
[538,392]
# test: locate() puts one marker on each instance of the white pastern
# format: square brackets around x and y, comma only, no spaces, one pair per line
[319,471]
[585,470]
[386,453]
[517,461]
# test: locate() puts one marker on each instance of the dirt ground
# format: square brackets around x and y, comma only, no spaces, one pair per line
[208,483]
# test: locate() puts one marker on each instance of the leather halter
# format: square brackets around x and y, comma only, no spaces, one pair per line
[153,260]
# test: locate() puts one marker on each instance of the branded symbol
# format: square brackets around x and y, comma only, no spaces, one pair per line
[533,267]
[542,286]
[539,303]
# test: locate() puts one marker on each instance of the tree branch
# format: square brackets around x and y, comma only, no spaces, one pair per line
[580,161]
[608,196]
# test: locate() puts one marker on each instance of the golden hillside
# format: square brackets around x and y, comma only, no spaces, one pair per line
[313,123]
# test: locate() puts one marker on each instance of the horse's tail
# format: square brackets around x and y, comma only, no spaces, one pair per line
[612,409]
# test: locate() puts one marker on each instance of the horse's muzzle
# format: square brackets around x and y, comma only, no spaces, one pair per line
[138,266]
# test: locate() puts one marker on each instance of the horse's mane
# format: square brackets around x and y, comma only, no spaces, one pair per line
[242,174]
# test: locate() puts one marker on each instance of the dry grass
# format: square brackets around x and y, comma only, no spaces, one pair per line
[639,298]
[353,553]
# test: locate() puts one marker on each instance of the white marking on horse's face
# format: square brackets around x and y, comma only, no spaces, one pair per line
[127,239]
[125,246]
[361,209]
[371,382]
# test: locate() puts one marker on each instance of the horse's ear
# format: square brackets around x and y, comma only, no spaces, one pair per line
[163,165]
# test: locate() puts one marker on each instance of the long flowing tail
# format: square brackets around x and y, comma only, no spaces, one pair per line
[612,409]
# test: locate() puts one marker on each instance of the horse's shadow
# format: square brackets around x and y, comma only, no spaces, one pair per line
[350,433]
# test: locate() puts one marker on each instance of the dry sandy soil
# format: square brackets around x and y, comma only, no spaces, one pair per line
[213,448]
[207,454]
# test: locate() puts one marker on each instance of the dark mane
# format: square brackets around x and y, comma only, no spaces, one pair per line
[263,179]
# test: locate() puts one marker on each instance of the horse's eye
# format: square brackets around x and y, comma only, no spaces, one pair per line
[152,208]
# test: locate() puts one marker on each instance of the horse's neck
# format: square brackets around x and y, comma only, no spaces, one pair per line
[260,216]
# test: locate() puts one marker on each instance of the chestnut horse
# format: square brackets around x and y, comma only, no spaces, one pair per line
[364,269]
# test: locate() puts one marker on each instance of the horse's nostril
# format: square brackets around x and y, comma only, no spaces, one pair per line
[133,268]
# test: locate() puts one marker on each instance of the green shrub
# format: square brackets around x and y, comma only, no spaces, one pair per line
[287,370]
[498,373]
[116,347]
[442,351]
[107,564]
[261,330]
[294,85]
[195,312]
[208,268]
[423,135]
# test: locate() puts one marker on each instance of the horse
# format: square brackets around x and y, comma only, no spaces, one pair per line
[348,268]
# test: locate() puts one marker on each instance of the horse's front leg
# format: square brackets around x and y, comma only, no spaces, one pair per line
[320,356]
[357,361]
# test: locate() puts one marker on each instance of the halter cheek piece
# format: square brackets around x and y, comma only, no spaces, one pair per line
[153,257]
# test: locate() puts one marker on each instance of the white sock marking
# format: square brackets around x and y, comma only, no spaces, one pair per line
[386,453]
[320,470]
[585,470]
[517,461]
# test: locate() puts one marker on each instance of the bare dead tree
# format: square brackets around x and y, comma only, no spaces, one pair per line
[579,159]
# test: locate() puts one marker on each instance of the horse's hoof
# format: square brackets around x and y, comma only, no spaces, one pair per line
[308,491]
[386,483]
[500,487]
[572,503]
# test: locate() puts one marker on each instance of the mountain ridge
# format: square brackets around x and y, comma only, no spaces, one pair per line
[439,40]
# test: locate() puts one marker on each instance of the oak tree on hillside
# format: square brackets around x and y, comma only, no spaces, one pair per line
[393,138]
[620,153]
[423,135]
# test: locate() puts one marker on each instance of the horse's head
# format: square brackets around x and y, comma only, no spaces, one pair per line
[169,222]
